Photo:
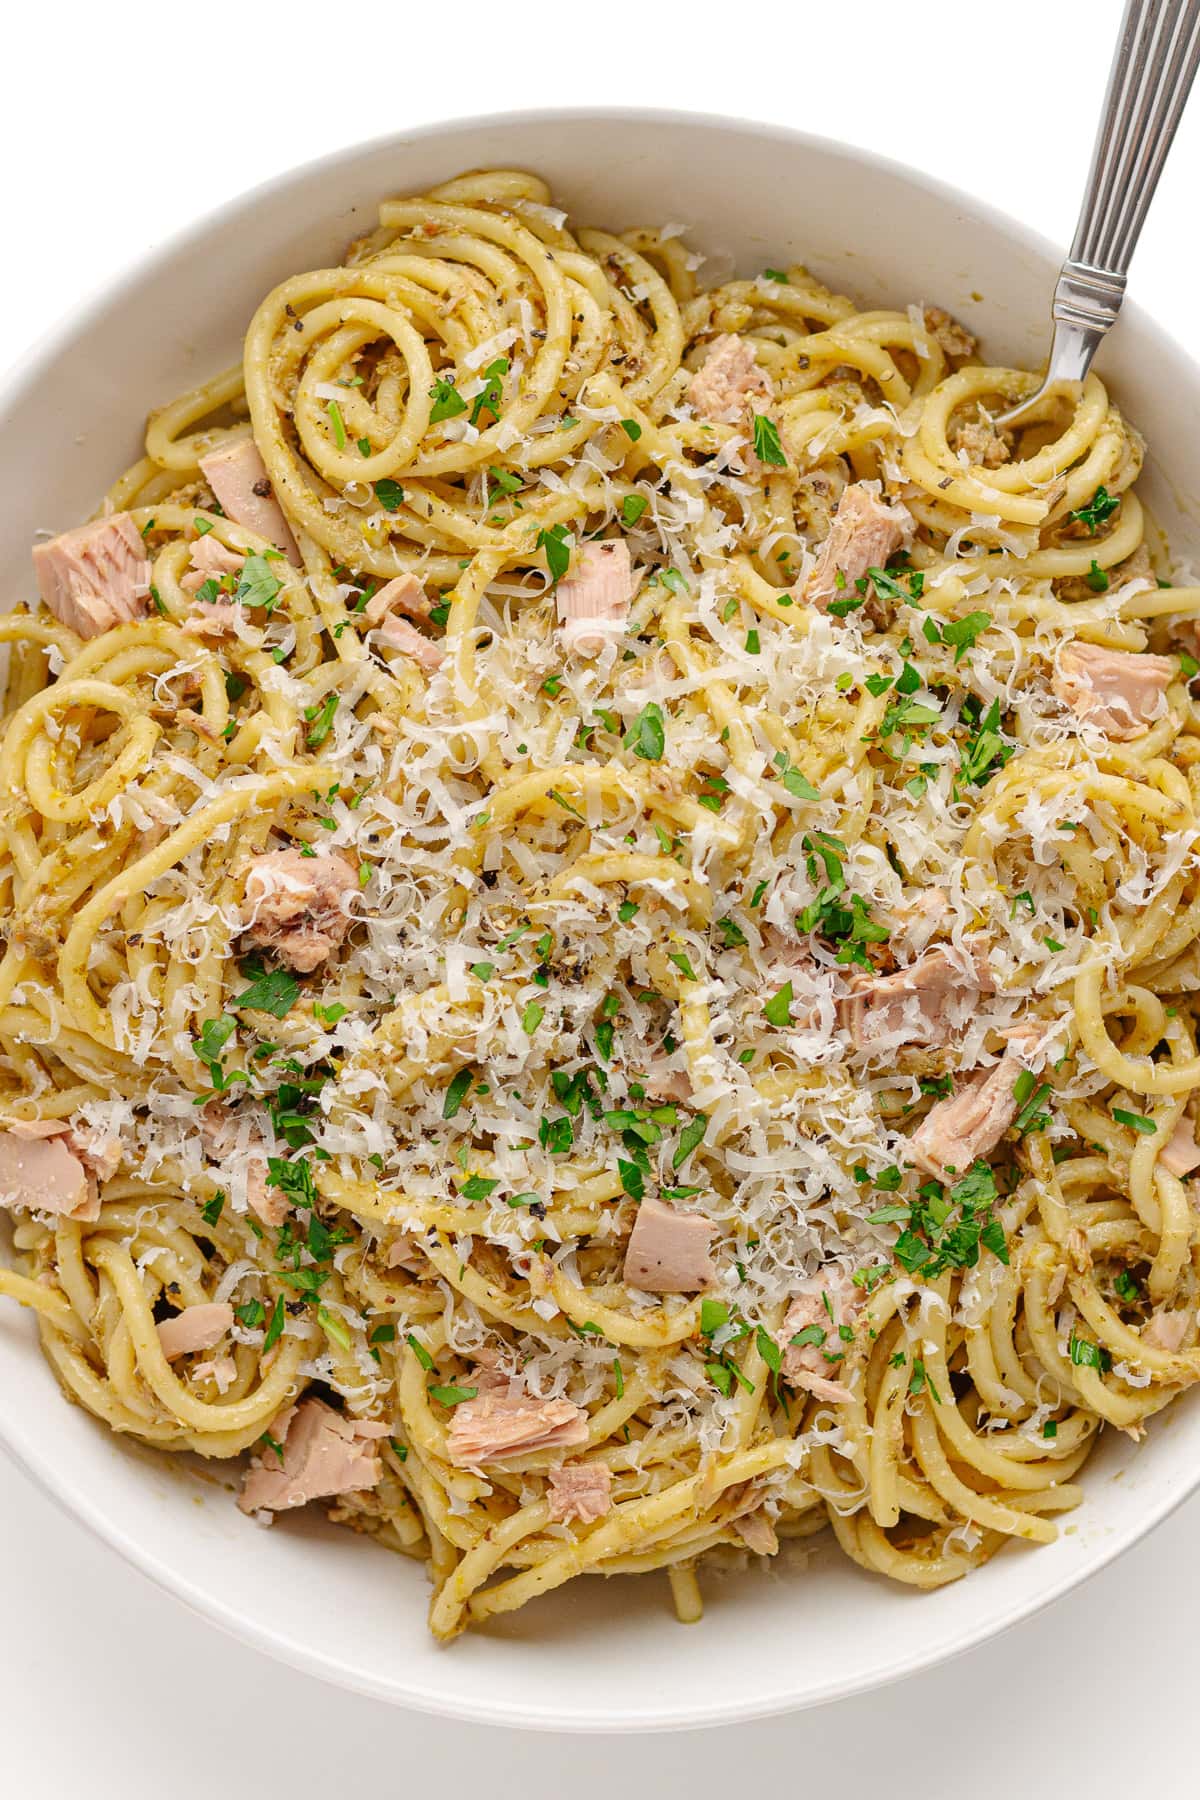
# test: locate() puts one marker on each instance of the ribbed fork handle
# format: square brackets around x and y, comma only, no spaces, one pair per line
[1152,73]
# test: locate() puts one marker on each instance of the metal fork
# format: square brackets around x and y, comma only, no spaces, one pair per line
[1151,77]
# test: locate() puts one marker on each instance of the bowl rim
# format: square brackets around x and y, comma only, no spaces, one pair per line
[72,1498]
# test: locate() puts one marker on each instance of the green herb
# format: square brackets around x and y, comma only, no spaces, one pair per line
[1188,666]
[632,508]
[321,720]
[212,1209]
[769,1350]
[275,992]
[812,1334]
[274,1329]
[328,1015]
[691,1136]
[1127,1287]
[962,633]
[256,585]
[682,963]
[767,446]
[713,1314]
[947,1231]
[646,737]
[627,910]
[778,1009]
[1135,1121]
[491,395]
[731,932]
[382,1334]
[632,429]
[334,1327]
[1100,507]
[775,275]
[478,1187]
[453,1396]
[420,1352]
[619,1377]
[1096,578]
[633,1180]
[555,540]
[456,1093]
[389,494]
[447,401]
[339,428]
[483,971]
[556,1135]
[1087,1355]
[984,747]
[1030,1096]
[919,1381]
[398,1450]
[507,482]
[251,1315]
[532,1017]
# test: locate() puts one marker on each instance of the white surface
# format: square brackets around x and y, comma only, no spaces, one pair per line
[96,204]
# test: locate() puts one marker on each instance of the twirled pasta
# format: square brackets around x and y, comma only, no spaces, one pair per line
[610,907]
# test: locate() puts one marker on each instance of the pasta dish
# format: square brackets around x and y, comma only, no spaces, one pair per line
[601,912]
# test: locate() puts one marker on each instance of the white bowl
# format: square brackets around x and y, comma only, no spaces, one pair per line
[598,1655]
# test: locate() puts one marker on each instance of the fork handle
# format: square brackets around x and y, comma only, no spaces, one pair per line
[1151,77]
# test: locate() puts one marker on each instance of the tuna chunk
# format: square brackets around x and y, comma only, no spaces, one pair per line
[195,1328]
[324,1453]
[969,1124]
[213,620]
[1166,1330]
[727,379]
[44,1174]
[954,339]
[866,530]
[580,1491]
[1118,691]
[757,1531]
[238,477]
[95,576]
[668,1251]
[1182,1154]
[100,1154]
[501,1422]
[227,1137]
[593,603]
[298,905]
[922,1005]
[223,1371]
[208,560]
[820,1311]
[400,635]
[405,594]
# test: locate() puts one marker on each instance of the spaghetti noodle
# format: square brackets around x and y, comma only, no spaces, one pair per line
[500,1013]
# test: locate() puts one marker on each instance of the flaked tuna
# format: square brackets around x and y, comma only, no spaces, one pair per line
[921,1006]
[594,601]
[502,1422]
[44,1173]
[866,530]
[298,906]
[818,1316]
[668,1251]
[1120,692]
[969,1124]
[324,1453]
[580,1490]
[195,1328]
[238,477]
[728,378]
[95,576]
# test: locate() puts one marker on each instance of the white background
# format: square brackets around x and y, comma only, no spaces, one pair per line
[119,127]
